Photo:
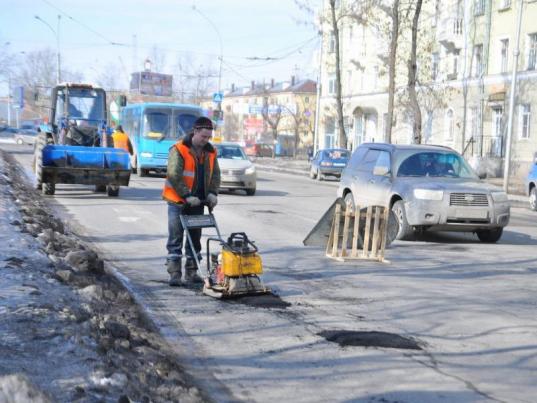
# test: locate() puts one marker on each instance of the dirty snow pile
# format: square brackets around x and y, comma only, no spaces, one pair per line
[69,331]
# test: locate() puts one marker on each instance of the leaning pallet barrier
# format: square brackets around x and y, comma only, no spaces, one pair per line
[368,243]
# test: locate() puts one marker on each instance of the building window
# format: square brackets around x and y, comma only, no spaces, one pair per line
[332,85]
[479,7]
[478,60]
[375,76]
[332,43]
[306,100]
[449,125]
[497,118]
[434,65]
[532,51]
[524,117]
[504,56]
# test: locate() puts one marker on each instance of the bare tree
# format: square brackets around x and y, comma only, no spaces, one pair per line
[394,40]
[109,77]
[412,76]
[272,117]
[299,121]
[342,137]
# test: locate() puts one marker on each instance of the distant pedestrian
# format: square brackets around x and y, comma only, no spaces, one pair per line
[121,140]
[193,176]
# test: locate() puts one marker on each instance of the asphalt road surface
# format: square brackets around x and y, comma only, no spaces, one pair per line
[448,319]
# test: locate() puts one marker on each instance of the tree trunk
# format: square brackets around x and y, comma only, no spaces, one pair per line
[412,73]
[391,69]
[342,138]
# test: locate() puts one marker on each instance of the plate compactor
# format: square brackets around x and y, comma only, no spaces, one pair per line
[233,271]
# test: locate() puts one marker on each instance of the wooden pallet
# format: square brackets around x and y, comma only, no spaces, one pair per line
[374,235]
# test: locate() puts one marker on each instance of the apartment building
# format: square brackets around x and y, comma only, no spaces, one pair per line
[256,112]
[465,62]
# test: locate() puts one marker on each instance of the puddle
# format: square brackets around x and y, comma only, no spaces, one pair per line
[369,339]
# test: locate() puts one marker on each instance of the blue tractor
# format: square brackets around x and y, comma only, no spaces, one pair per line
[74,147]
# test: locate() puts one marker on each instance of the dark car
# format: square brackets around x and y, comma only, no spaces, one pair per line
[329,162]
[428,188]
[258,150]
[7,131]
[531,185]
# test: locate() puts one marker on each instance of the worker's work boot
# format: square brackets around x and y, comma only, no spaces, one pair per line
[191,273]
[174,268]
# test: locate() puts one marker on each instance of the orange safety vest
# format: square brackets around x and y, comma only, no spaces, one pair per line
[121,140]
[189,173]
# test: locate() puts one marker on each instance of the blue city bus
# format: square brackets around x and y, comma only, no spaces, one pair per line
[153,128]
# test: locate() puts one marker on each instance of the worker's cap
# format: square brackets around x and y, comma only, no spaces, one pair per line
[203,123]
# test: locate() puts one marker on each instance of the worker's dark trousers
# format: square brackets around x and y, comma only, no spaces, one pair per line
[176,232]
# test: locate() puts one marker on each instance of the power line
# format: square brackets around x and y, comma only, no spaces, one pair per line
[83,25]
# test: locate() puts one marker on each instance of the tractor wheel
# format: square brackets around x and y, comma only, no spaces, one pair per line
[40,143]
[48,189]
[112,190]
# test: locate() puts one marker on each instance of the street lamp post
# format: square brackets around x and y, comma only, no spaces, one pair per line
[219,103]
[56,33]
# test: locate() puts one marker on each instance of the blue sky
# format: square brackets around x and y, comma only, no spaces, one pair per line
[249,29]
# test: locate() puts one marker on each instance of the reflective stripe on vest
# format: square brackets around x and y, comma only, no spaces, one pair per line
[121,140]
[189,173]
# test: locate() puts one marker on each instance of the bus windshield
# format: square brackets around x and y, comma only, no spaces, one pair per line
[160,124]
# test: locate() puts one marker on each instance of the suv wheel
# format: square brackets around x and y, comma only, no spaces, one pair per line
[533,198]
[405,231]
[490,235]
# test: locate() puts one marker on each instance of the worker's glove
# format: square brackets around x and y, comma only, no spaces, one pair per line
[212,200]
[193,201]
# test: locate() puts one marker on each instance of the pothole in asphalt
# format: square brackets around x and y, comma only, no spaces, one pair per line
[369,339]
[262,301]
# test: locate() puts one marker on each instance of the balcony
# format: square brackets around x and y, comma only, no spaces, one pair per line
[450,33]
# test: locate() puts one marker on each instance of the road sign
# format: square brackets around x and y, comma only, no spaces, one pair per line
[218,97]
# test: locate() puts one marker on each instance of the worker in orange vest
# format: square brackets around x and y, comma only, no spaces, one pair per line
[193,176]
[121,140]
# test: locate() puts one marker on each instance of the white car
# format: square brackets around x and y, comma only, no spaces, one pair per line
[236,170]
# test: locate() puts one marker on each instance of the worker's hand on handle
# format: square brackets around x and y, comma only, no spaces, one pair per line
[193,201]
[212,200]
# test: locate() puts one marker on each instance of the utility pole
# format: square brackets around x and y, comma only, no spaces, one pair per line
[318,102]
[516,53]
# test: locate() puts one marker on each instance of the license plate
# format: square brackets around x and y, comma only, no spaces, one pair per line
[470,213]
[227,178]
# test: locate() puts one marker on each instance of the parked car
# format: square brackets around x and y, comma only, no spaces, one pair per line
[328,162]
[7,131]
[427,187]
[25,136]
[258,150]
[531,185]
[237,171]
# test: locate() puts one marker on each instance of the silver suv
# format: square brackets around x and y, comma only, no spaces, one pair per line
[427,187]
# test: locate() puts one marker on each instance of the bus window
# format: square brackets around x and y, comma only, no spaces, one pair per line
[157,124]
[184,122]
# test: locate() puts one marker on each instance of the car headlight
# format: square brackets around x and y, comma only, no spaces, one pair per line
[249,171]
[428,194]
[147,155]
[499,197]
